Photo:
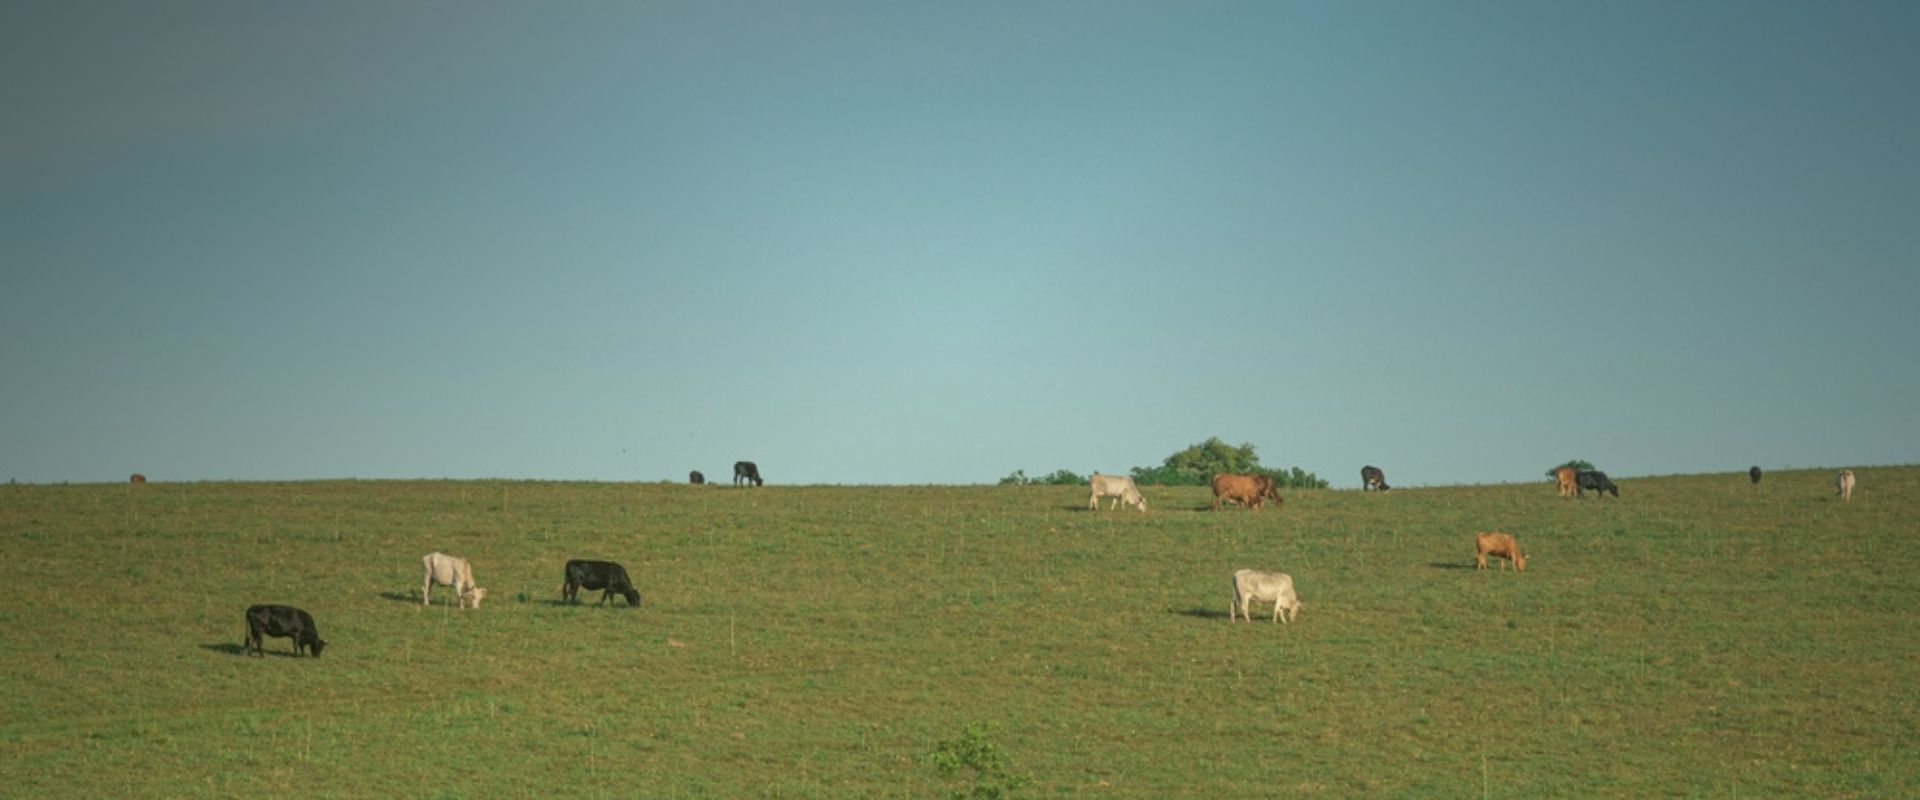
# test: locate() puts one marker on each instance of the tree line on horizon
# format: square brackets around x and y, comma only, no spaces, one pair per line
[1194,466]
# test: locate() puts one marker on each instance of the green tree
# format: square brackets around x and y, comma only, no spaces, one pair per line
[1578,465]
[1196,466]
[1059,477]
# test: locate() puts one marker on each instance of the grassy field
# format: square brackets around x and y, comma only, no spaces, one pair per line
[1694,638]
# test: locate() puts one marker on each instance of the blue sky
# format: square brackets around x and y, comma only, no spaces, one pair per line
[935,243]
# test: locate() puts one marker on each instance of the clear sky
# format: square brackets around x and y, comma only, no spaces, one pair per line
[937,242]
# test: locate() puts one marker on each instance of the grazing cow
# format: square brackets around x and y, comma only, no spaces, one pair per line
[1247,490]
[137,478]
[1118,487]
[1498,544]
[746,472]
[1844,482]
[696,478]
[1754,475]
[1596,481]
[1563,479]
[606,575]
[283,621]
[1253,586]
[445,570]
[1372,478]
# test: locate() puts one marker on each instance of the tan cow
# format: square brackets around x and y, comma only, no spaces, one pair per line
[1566,480]
[1253,586]
[445,570]
[1844,482]
[1119,487]
[1247,490]
[1498,544]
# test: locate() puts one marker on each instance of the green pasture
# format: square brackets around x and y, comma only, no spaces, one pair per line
[1693,638]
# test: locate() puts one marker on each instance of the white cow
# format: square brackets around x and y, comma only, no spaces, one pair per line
[1253,586]
[1844,482]
[445,570]
[1118,487]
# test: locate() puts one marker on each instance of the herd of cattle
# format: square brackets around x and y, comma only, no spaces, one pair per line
[1249,585]
[436,569]
[1255,586]
[745,473]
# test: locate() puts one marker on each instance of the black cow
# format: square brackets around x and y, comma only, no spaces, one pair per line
[287,621]
[745,471]
[1372,478]
[1596,481]
[583,574]
[1754,473]
[696,478]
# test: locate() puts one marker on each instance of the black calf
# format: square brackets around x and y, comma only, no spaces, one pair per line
[281,621]
[606,575]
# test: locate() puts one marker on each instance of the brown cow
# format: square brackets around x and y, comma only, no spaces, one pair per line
[1498,544]
[137,478]
[1247,490]
[1566,482]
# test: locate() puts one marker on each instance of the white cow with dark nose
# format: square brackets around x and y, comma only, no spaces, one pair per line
[1118,487]
[440,569]
[1253,586]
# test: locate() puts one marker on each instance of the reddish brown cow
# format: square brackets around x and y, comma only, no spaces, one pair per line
[1566,481]
[1247,490]
[138,478]
[1500,545]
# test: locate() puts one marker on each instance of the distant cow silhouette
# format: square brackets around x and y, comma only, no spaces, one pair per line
[137,478]
[1371,477]
[1754,474]
[1843,480]
[1595,481]
[746,472]
[696,478]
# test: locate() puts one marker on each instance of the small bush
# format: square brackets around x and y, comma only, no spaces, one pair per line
[983,762]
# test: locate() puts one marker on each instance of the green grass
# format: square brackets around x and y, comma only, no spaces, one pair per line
[1693,638]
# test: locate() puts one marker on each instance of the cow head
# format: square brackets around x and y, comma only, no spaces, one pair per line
[316,645]
[474,596]
[1135,499]
[633,597]
[1519,561]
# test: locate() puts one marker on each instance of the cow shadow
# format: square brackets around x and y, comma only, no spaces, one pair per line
[1450,565]
[1199,613]
[231,649]
[582,602]
[402,597]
